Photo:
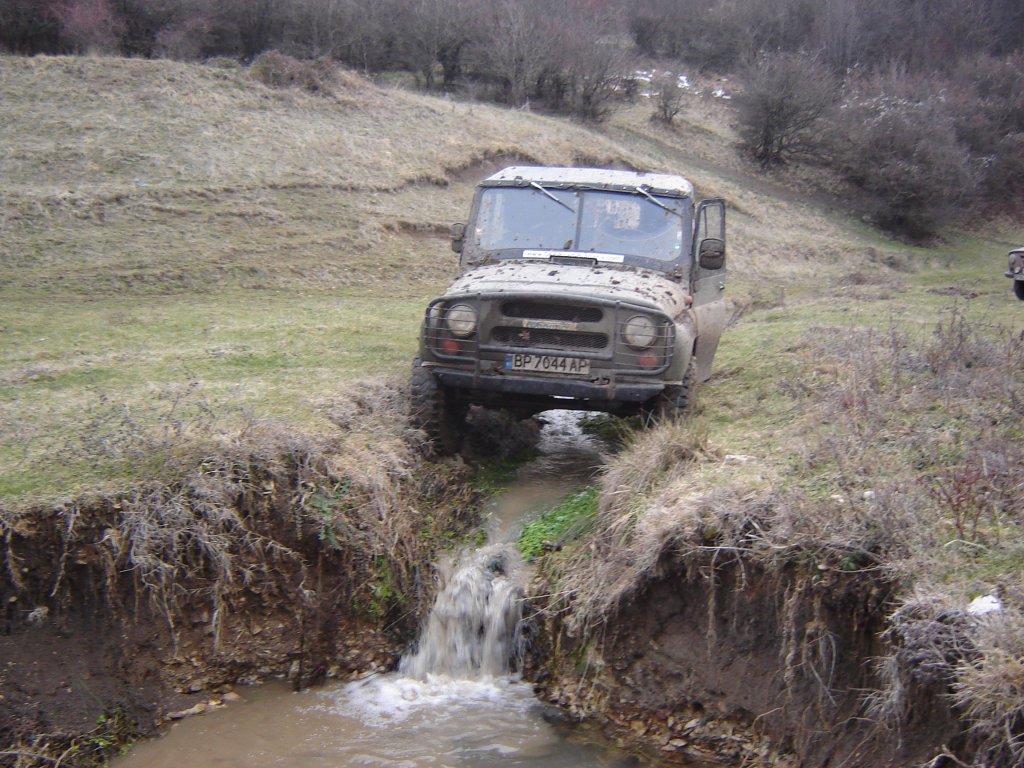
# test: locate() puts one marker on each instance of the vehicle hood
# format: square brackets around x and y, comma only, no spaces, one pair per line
[642,286]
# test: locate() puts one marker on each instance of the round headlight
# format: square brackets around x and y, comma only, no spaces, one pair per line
[640,332]
[461,319]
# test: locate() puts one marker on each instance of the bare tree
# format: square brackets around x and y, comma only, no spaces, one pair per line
[518,43]
[88,25]
[257,25]
[26,27]
[664,27]
[668,96]
[318,27]
[437,33]
[589,57]
[785,98]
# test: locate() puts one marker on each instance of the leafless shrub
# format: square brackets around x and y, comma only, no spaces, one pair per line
[782,107]
[668,97]
[88,25]
[900,145]
[183,39]
[987,95]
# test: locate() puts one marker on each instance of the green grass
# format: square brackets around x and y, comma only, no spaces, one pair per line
[238,356]
[566,521]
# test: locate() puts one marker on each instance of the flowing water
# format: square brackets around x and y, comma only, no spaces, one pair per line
[454,701]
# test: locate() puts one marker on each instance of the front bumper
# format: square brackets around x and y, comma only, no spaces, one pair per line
[568,393]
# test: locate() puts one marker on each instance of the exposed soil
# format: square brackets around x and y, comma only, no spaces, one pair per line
[726,662]
[101,629]
[72,658]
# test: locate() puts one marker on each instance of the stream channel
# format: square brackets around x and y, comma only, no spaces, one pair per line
[453,700]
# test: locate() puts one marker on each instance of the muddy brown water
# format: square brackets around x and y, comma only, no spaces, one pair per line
[386,720]
[453,702]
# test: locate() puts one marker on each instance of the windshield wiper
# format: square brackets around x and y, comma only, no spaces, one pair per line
[562,203]
[657,202]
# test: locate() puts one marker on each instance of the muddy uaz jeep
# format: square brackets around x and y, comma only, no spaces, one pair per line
[580,289]
[1016,271]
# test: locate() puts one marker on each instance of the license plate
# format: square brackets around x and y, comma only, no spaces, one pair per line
[570,366]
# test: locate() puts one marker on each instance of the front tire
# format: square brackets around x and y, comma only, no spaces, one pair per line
[677,400]
[434,411]
[1018,289]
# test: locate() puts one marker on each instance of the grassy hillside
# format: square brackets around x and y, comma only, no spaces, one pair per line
[186,251]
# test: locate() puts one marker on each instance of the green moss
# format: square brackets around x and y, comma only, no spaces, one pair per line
[568,520]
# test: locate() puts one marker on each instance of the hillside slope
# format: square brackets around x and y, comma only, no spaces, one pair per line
[185,242]
[198,270]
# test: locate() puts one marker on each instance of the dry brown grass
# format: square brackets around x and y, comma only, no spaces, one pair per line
[133,129]
[633,523]
[989,687]
[904,463]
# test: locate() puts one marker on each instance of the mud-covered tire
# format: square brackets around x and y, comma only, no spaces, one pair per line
[1018,289]
[677,400]
[433,411]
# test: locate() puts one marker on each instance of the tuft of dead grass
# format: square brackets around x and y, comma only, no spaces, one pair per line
[631,527]
[279,70]
[989,685]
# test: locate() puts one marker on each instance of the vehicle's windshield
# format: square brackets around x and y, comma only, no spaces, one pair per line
[590,221]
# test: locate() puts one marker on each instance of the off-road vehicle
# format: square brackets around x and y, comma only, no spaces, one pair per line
[579,288]
[1016,271]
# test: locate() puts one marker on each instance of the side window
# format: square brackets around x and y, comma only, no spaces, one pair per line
[710,220]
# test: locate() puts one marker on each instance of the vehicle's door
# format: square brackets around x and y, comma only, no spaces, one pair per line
[707,281]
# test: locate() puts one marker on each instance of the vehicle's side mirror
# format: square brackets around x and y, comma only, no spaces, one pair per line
[458,236]
[711,254]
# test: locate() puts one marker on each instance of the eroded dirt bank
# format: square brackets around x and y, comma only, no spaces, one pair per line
[717,659]
[312,560]
[278,558]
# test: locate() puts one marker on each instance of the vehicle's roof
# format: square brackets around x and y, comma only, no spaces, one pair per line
[600,178]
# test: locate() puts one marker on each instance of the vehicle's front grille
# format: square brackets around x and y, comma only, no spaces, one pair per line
[548,339]
[537,310]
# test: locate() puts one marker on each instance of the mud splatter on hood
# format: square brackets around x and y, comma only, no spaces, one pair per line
[643,286]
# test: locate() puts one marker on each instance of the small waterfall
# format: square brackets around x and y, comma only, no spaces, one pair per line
[472,630]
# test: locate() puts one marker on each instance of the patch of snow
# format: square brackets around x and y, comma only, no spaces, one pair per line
[985,604]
